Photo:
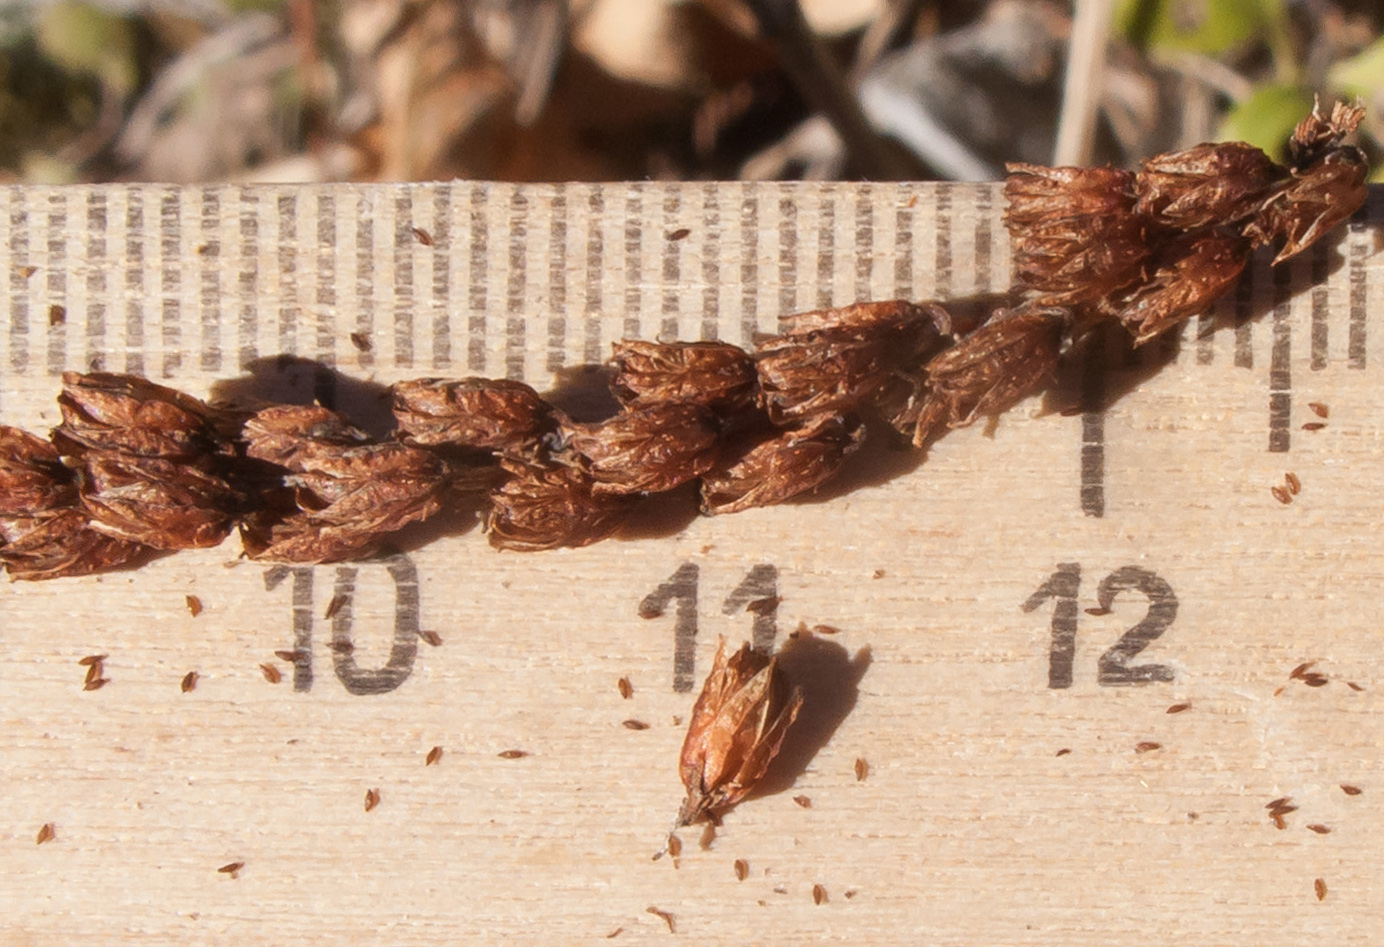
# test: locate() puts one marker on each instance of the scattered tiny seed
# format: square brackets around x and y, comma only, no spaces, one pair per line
[271,673]
[1313,426]
[681,233]
[361,340]
[1319,886]
[1315,679]
[803,801]
[1351,790]
[1354,686]
[194,605]
[1320,829]
[1098,612]
[431,637]
[341,646]
[189,681]
[742,869]
[422,236]
[46,834]
[634,725]
[850,893]
[335,605]
[1300,670]
[819,894]
[1147,746]
[1319,409]
[1064,751]
[512,754]
[290,656]
[27,271]
[626,688]
[1280,495]
[667,918]
[372,799]
[763,606]
[1278,820]
[1278,803]
[615,933]
[94,672]
[92,660]
[233,869]
[674,845]
[879,574]
[434,755]
[95,685]
[57,315]
[1294,484]
[1179,708]
[826,629]
[862,769]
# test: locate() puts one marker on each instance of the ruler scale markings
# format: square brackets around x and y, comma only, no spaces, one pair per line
[595,261]
[985,237]
[96,287]
[20,275]
[1244,311]
[209,279]
[826,247]
[1280,361]
[171,280]
[1093,425]
[864,244]
[1359,241]
[440,253]
[478,288]
[903,247]
[943,225]
[324,296]
[557,281]
[55,301]
[749,267]
[134,281]
[669,330]
[516,289]
[634,265]
[248,278]
[787,259]
[365,277]
[711,262]
[287,251]
[1321,305]
[404,299]
[1206,335]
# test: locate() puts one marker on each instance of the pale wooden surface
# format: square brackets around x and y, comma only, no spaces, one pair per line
[969,829]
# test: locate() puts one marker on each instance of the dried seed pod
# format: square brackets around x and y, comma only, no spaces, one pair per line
[494,414]
[715,375]
[1315,137]
[543,506]
[738,724]
[868,352]
[986,373]
[108,411]
[164,504]
[32,477]
[647,449]
[782,467]
[348,493]
[1313,203]
[1188,274]
[1076,235]
[59,543]
[1209,185]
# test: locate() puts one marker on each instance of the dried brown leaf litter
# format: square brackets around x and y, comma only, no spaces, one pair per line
[137,467]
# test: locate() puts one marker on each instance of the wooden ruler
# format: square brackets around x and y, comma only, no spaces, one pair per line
[1062,648]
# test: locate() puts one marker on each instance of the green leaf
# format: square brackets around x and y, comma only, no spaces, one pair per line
[1267,118]
[1208,27]
[85,40]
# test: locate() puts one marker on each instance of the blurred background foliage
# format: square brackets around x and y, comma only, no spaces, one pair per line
[541,90]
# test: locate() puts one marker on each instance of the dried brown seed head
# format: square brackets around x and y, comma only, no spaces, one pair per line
[715,375]
[1315,136]
[787,465]
[1312,204]
[1075,233]
[546,506]
[161,503]
[494,414]
[59,543]
[738,724]
[113,412]
[647,449]
[32,477]
[1210,185]
[1188,274]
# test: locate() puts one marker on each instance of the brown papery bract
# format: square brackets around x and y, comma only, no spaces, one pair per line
[545,506]
[60,543]
[164,504]
[1206,186]
[738,723]
[1313,203]
[494,414]
[1190,273]
[32,477]
[784,466]
[108,411]
[715,375]
[647,449]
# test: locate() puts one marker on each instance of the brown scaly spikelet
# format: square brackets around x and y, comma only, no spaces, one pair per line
[347,493]
[59,543]
[832,361]
[784,466]
[1210,185]
[494,414]
[32,477]
[1189,274]
[545,506]
[646,449]
[1315,137]
[164,504]
[715,375]
[1076,236]
[987,372]
[738,724]
[109,411]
